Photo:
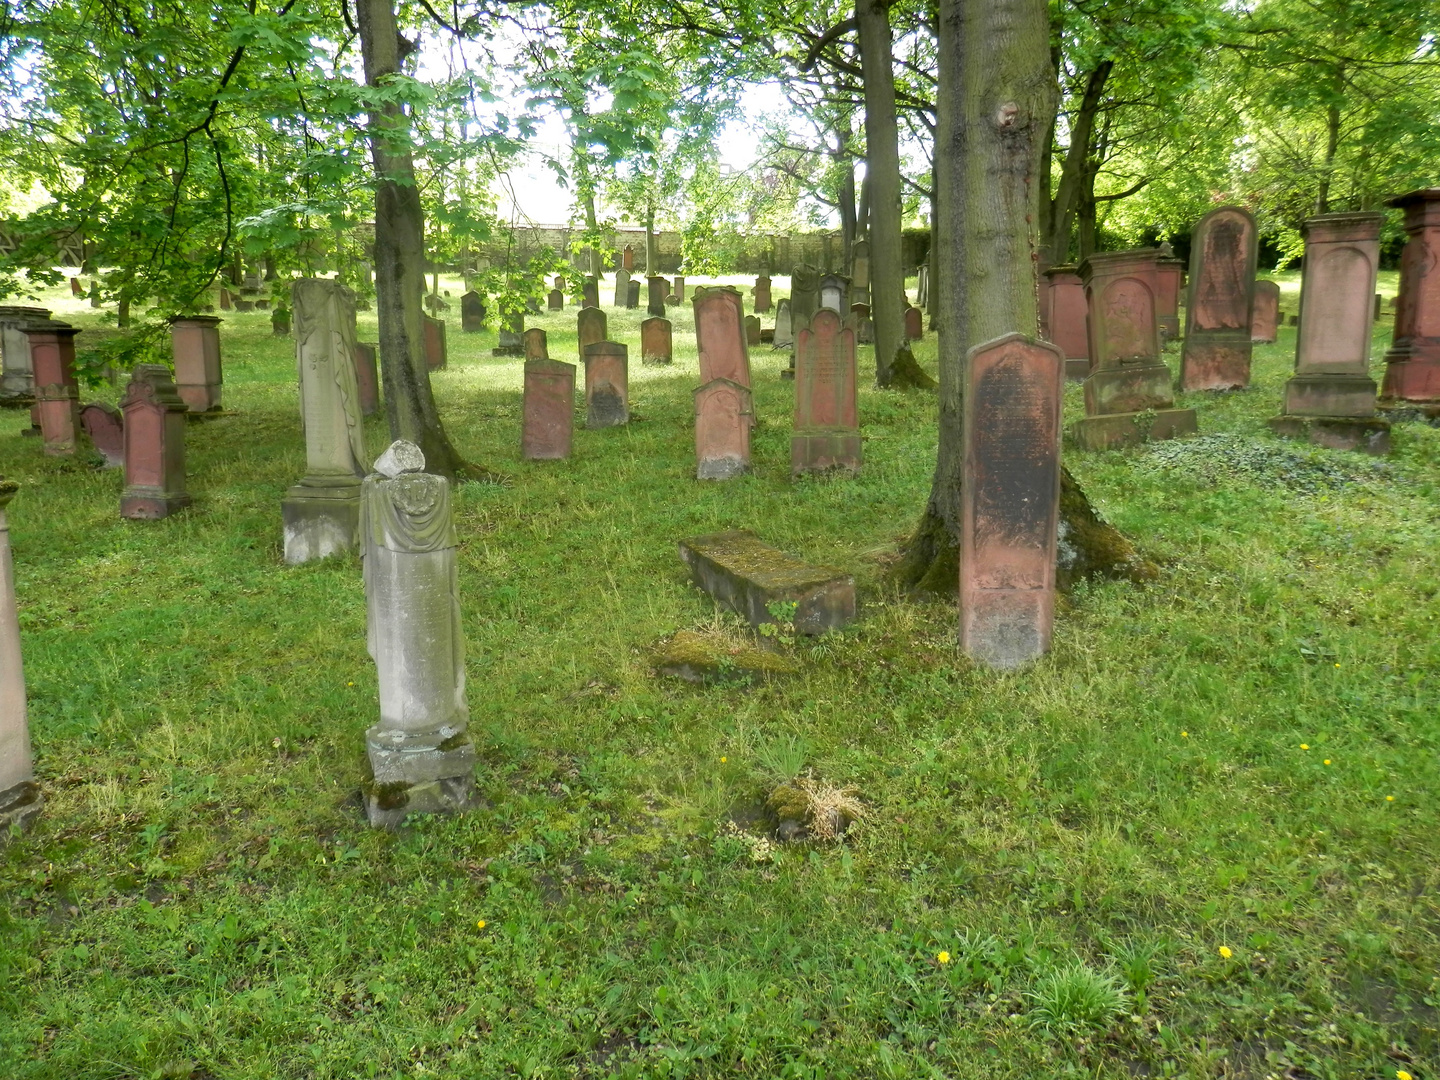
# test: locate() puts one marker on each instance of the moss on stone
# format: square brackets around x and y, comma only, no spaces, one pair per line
[788,803]
[743,553]
[697,658]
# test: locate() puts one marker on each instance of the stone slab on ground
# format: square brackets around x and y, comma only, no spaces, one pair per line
[1368,434]
[697,658]
[746,574]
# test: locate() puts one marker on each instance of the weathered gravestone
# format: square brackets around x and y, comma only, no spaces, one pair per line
[656,341]
[627,258]
[862,324]
[322,513]
[752,330]
[1217,310]
[804,302]
[762,294]
[20,797]
[607,385]
[549,413]
[1128,396]
[512,330]
[1010,499]
[720,336]
[1265,312]
[76,289]
[17,370]
[105,425]
[655,298]
[834,293]
[827,422]
[556,300]
[632,295]
[472,312]
[1169,274]
[437,354]
[1065,322]
[280,322]
[590,293]
[784,336]
[747,575]
[622,288]
[1412,363]
[154,446]
[535,344]
[367,377]
[421,757]
[589,327]
[922,287]
[860,265]
[724,415]
[914,324]
[677,290]
[225,304]
[195,346]
[94,294]
[57,393]
[1330,400]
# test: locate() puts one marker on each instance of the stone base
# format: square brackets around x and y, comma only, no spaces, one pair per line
[1411,380]
[19,806]
[321,517]
[747,575]
[725,468]
[820,451]
[401,757]
[1410,412]
[1006,628]
[1329,395]
[1131,429]
[1077,369]
[388,805]
[1132,388]
[1217,365]
[209,414]
[1368,434]
[17,399]
[151,504]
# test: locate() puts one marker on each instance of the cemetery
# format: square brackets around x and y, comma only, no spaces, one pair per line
[700,641]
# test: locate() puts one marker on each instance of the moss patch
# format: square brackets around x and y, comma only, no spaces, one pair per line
[702,658]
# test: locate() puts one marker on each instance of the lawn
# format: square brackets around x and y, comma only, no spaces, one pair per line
[1200,839]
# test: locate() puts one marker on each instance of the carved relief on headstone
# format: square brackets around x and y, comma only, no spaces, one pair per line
[154,445]
[720,336]
[20,797]
[656,341]
[549,410]
[1412,363]
[195,345]
[827,424]
[607,385]
[1265,313]
[57,393]
[724,415]
[1217,311]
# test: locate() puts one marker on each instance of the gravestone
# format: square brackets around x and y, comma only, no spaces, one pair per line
[762,294]
[535,344]
[57,393]
[922,287]
[437,354]
[784,337]
[827,423]
[20,797]
[752,330]
[225,304]
[1265,312]
[622,288]
[280,322]
[322,513]
[195,346]
[860,265]
[656,341]
[421,757]
[747,575]
[76,289]
[94,294]
[724,414]
[154,445]
[627,258]
[1128,396]
[549,410]
[632,295]
[1169,273]
[556,300]
[1065,323]
[589,327]
[914,324]
[677,289]
[590,293]
[655,299]
[862,324]
[834,294]
[607,385]
[243,305]
[560,281]
[1412,363]
[472,312]
[804,295]
[1010,499]
[1330,400]
[720,336]
[262,304]
[1218,308]
[17,370]
[105,425]
[367,377]
[512,329]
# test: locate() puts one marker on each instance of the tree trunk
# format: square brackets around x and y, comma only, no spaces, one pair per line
[849,218]
[652,243]
[1074,168]
[1332,144]
[592,226]
[400,257]
[882,179]
[1086,217]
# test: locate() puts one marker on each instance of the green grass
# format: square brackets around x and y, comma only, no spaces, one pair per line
[203,898]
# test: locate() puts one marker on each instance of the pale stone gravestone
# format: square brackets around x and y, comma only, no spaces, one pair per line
[437,354]
[472,312]
[784,337]
[195,346]
[549,412]
[655,299]
[632,295]
[762,294]
[622,288]
[556,300]
[511,337]
[860,265]
[590,327]
[922,287]
[752,330]
[1265,312]
[105,425]
[590,293]
[154,446]
[94,294]
[17,371]
[677,290]
[656,341]
[827,423]
[1217,311]
[20,797]
[57,393]
[536,344]
[724,415]
[1128,396]
[720,336]
[560,281]
[627,258]
[421,758]
[367,377]
[750,577]
[1010,499]
[914,324]
[834,294]
[322,512]
[1330,400]
[862,324]
[1412,363]
[1065,319]
[607,385]
[1169,274]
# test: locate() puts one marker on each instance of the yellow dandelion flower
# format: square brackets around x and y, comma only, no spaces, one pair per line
[943,956]
[1184,734]
[1225,952]
[1389,798]
[479,924]
[723,759]
[1304,746]
[1327,761]
[1337,665]
[349,684]
[1401,1074]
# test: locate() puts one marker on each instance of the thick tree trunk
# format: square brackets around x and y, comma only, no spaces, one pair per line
[882,179]
[849,218]
[1073,169]
[400,257]
[592,226]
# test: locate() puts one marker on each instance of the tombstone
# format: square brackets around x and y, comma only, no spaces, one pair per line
[622,288]
[1412,363]
[720,336]
[280,322]
[590,293]
[827,423]
[535,344]
[784,338]
[678,289]
[860,265]
[1128,396]
[511,337]
[1330,400]
[57,393]
[421,757]
[437,352]
[632,295]
[262,304]
[607,385]
[559,281]
[76,289]
[804,302]
[549,410]
[590,327]
[922,287]
[762,294]
[105,425]
[752,330]
[154,445]
[556,300]
[627,260]
[656,341]
[833,293]
[244,305]
[367,378]
[1010,499]
[862,324]
[1218,307]
[225,304]
[1169,277]
[655,300]
[1064,299]
[472,312]
[322,513]
[914,324]
[195,346]
[94,294]
[724,415]
[1265,312]
[17,370]
[20,798]
[252,281]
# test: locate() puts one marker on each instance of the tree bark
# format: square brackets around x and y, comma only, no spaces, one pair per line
[592,226]
[849,218]
[1332,144]
[652,243]
[1073,168]
[400,256]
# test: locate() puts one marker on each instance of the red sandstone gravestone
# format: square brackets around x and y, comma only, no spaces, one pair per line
[1010,499]
[436,354]
[677,289]
[154,445]
[656,341]
[657,288]
[1412,364]
[762,294]
[1065,322]
[105,425]
[914,324]
[590,327]
[607,385]
[627,258]
[57,394]
[1169,272]
[1218,307]
[724,414]
[827,423]
[535,344]
[1265,313]
[367,378]
[720,336]
[195,345]
[549,411]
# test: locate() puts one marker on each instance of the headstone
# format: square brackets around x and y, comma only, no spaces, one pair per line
[225,304]
[762,294]
[105,424]
[914,324]
[560,281]
[421,758]
[436,353]
[678,289]
[1265,313]
[724,415]
[1379,300]
[833,293]
[607,385]
[472,312]
[535,344]
[1169,273]
[322,513]
[252,280]
[804,295]
[1010,499]
[511,337]
[94,294]
[632,295]
[1128,397]
[1065,321]
[590,293]
[1217,310]
[860,265]
[195,345]
[57,393]
[720,337]
[747,575]
[784,336]
[367,377]
[243,305]
[827,423]
[655,299]
[590,327]
[280,322]
[76,289]
[922,287]
[622,288]
[1412,363]
[656,341]
[752,330]
[862,324]
[627,259]
[262,304]
[549,410]
[17,370]
[20,798]
[1330,400]
[154,445]
[556,300]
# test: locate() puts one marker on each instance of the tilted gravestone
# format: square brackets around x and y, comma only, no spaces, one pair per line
[724,415]
[548,424]
[1010,499]
[720,336]
[762,294]
[622,288]
[421,758]
[658,288]
[656,341]
[57,393]
[1217,310]
[367,378]
[607,385]
[1064,299]
[195,345]
[1265,313]
[105,425]
[17,370]
[437,355]
[1412,363]
[472,312]
[322,513]
[154,446]
[590,327]
[784,336]
[827,424]
[20,796]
